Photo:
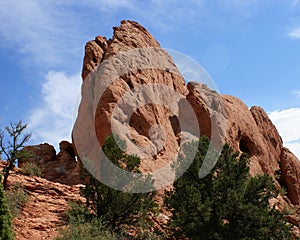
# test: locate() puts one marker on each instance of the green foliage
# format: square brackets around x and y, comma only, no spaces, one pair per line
[78,213]
[226,204]
[12,140]
[116,207]
[148,235]
[16,198]
[84,226]
[87,231]
[31,169]
[6,232]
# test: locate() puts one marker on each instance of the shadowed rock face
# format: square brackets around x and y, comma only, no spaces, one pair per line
[249,131]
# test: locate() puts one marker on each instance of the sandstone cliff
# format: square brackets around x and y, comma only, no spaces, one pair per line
[246,130]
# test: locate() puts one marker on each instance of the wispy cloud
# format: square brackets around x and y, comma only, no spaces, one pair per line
[52,121]
[295,3]
[297,93]
[52,32]
[294,33]
[43,31]
[47,35]
[287,123]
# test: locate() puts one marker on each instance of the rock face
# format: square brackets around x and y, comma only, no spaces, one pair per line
[130,35]
[39,154]
[246,130]
[43,215]
[290,169]
[61,168]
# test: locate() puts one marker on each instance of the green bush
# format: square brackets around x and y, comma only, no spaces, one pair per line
[83,225]
[31,169]
[228,203]
[16,198]
[148,235]
[115,207]
[6,232]
[95,229]
[77,213]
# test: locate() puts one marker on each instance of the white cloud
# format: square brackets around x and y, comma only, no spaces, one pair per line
[45,32]
[294,34]
[52,121]
[287,122]
[295,148]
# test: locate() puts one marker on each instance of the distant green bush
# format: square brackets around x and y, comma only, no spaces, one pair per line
[16,198]
[31,169]
[6,232]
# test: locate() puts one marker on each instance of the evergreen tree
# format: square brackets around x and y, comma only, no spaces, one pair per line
[117,207]
[226,204]
[6,232]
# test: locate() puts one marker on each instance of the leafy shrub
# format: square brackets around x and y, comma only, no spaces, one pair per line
[115,207]
[228,203]
[95,229]
[148,235]
[84,225]
[78,213]
[16,198]
[6,232]
[31,169]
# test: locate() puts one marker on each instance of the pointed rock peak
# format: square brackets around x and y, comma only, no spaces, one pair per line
[129,35]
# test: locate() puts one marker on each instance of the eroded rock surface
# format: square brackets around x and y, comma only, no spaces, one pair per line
[246,130]
[62,168]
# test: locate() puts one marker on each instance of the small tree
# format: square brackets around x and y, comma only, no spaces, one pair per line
[12,148]
[6,232]
[228,203]
[117,207]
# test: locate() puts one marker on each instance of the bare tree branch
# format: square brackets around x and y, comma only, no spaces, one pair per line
[13,147]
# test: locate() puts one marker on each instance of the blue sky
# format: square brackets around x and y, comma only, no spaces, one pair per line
[251,48]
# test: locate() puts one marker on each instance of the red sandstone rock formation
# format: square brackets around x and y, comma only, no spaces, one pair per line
[61,168]
[247,130]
